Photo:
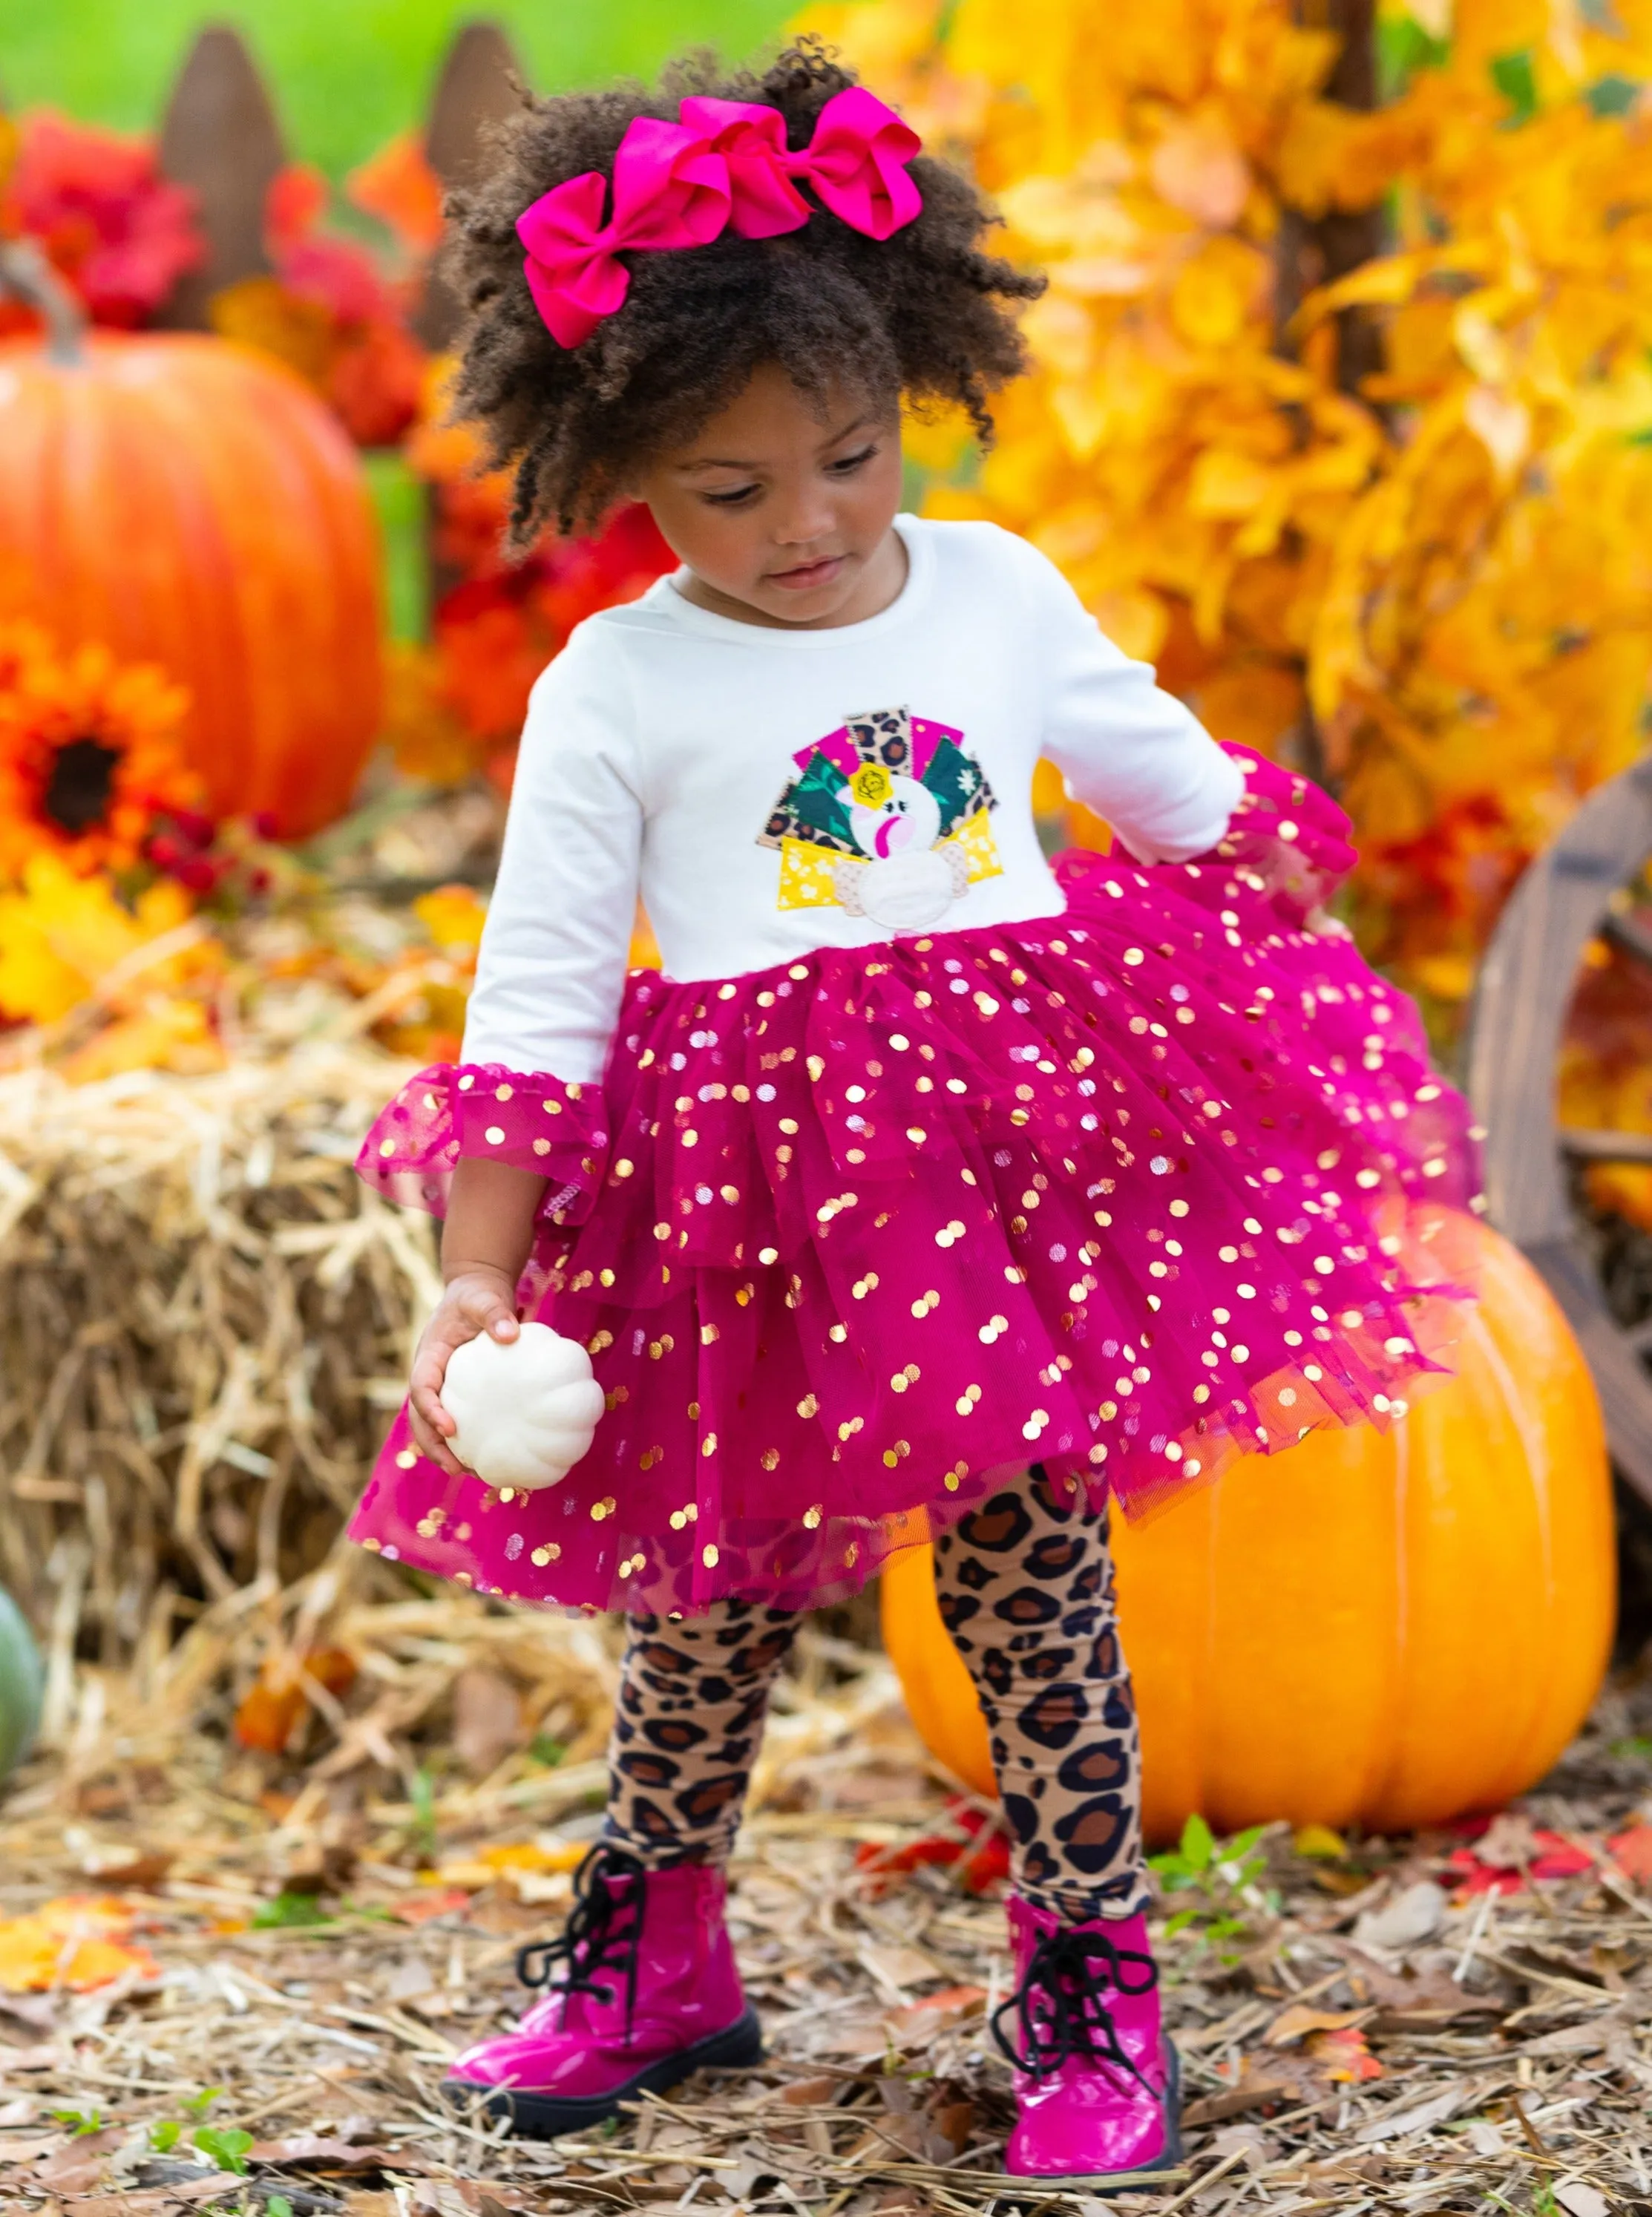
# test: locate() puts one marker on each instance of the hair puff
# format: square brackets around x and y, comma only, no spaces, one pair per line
[925,314]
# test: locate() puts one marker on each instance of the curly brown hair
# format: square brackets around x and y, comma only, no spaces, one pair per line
[925,314]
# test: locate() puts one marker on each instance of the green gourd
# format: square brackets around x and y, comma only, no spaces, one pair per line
[23,1683]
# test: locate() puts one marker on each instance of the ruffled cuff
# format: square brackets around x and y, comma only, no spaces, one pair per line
[1287,840]
[535,1122]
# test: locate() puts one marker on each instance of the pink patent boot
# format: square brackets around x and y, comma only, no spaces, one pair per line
[1097,2084]
[649,1993]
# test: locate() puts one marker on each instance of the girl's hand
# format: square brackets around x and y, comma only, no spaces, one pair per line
[478,1299]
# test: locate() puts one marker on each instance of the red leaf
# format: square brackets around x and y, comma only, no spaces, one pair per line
[1560,1858]
[421,1908]
[1632,1851]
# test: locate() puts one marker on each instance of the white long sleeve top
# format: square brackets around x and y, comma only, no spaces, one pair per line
[771,791]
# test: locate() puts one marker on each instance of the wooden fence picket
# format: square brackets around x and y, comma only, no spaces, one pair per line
[221,138]
[476,87]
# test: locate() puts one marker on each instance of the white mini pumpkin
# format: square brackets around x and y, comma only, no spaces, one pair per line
[527,1409]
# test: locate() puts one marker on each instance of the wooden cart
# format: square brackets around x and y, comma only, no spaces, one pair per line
[1575,891]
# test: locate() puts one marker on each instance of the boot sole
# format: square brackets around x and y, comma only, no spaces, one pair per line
[1103,2182]
[542,2116]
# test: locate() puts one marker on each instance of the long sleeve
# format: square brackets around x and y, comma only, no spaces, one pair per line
[1128,750]
[552,961]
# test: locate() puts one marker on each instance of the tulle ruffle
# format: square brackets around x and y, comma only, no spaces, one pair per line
[535,1122]
[1126,1191]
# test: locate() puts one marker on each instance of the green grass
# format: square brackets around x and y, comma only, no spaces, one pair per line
[345,76]
[398,502]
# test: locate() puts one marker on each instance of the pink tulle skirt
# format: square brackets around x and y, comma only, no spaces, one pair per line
[1126,1192]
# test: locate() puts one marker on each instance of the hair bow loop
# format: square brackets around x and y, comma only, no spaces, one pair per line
[856,163]
[670,189]
[723,163]
[762,199]
[857,160]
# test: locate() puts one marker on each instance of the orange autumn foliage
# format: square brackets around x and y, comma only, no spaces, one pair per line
[279,1696]
[76,1941]
[1436,590]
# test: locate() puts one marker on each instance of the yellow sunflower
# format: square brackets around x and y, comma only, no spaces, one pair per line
[90,754]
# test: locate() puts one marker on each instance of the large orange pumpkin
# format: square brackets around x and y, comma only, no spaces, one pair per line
[189,503]
[1369,1629]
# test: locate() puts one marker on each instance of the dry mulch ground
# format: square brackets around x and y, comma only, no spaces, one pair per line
[1412,2025]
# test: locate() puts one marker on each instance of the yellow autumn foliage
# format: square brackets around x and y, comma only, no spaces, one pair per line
[1436,589]
[67,940]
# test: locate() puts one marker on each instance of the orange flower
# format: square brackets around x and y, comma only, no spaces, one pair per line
[90,754]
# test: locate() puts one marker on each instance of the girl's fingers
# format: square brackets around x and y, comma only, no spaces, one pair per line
[431,1443]
[425,1388]
[484,1310]
[465,1313]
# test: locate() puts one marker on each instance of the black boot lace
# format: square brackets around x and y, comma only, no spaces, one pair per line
[604,1931]
[1060,2008]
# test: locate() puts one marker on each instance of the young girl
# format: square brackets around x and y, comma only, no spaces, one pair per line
[925,1186]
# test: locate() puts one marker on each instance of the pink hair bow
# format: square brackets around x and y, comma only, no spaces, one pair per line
[856,163]
[670,189]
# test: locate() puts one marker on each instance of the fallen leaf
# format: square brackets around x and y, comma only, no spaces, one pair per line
[1248,2140]
[410,1978]
[467,1877]
[78,2166]
[314,2148]
[1418,2117]
[809,2093]
[983,1853]
[424,1908]
[954,2121]
[1632,1852]
[1296,2023]
[1343,2056]
[280,1694]
[1319,1840]
[143,1869]
[1580,2200]
[1211,2109]
[935,2013]
[1412,1917]
[487,1719]
[534,1855]
[535,1889]
[1511,1852]
[16,2151]
[77,1940]
[896,1966]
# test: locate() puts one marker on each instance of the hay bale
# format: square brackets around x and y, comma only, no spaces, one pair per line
[204,1319]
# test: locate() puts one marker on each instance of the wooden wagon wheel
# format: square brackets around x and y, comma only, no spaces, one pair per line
[1572,893]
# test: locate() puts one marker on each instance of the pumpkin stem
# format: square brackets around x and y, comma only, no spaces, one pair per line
[25,271]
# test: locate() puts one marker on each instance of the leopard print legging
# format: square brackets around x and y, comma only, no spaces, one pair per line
[1025,1587]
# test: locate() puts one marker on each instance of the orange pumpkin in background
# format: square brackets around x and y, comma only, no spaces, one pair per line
[1378,1630]
[186,502]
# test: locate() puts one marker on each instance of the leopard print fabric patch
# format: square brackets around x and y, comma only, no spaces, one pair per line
[1026,1586]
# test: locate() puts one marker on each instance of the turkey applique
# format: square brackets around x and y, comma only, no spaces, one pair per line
[888,817]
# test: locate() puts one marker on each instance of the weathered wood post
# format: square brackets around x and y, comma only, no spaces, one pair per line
[1313,250]
[478,86]
[1318,249]
[220,137]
